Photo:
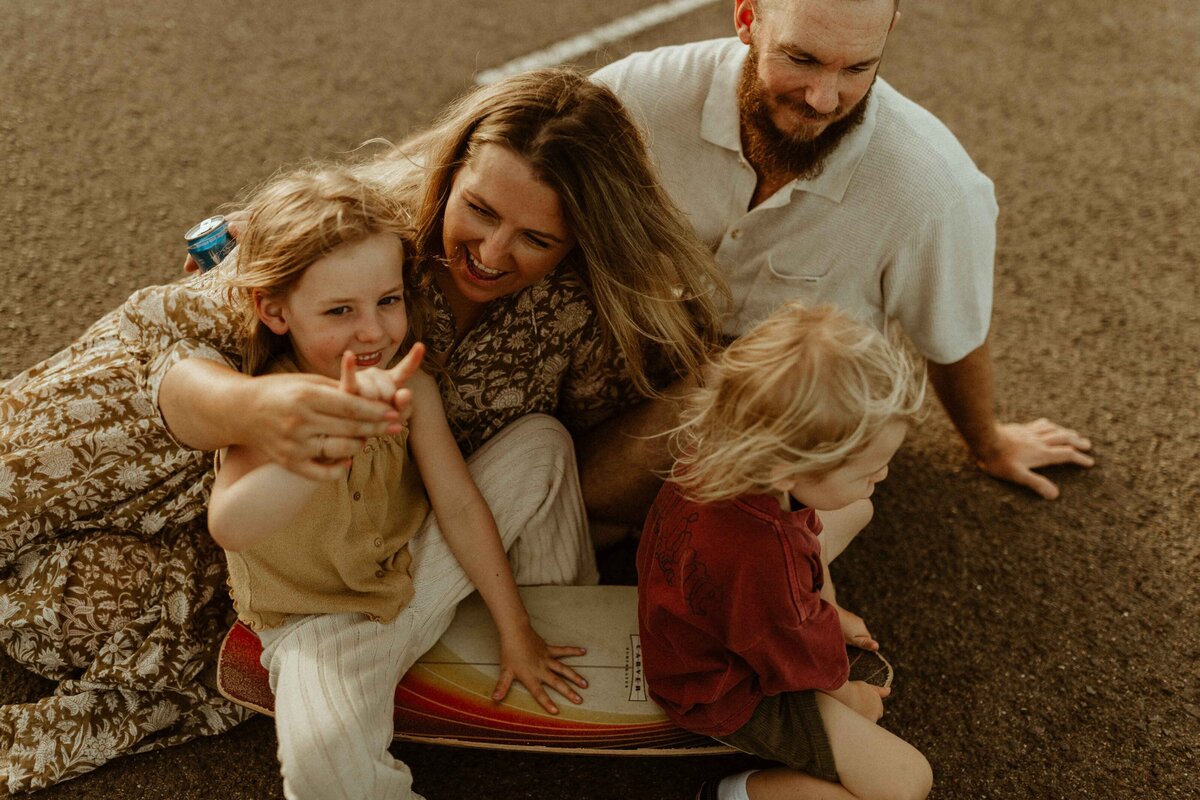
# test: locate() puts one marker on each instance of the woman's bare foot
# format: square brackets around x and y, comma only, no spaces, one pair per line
[854,630]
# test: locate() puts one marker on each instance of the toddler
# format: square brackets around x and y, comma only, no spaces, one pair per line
[742,638]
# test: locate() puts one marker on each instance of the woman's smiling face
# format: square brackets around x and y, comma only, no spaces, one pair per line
[503,229]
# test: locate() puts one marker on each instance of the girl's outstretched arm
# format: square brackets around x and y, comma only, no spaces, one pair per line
[470,531]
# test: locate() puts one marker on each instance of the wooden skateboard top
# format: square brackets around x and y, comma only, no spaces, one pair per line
[446,697]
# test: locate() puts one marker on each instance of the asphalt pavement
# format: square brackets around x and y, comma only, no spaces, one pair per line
[1042,649]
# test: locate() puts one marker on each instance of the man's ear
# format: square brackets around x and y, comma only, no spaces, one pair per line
[744,17]
[270,312]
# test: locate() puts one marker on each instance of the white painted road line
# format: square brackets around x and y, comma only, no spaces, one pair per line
[593,40]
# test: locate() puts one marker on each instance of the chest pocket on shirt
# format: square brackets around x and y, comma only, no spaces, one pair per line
[795,277]
[796,271]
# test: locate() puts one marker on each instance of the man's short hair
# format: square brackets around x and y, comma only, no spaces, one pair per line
[763,5]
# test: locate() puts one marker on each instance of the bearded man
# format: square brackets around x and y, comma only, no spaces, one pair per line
[811,177]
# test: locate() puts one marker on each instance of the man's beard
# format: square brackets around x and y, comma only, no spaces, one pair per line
[775,152]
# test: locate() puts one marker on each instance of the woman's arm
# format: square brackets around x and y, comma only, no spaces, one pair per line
[292,419]
[254,497]
[179,333]
[470,531]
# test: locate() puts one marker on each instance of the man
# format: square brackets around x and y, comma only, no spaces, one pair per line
[811,178]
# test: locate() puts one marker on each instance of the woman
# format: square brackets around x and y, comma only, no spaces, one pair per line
[558,279]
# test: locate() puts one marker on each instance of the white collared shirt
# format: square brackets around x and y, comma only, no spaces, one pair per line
[900,224]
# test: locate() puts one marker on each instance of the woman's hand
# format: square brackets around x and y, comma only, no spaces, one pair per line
[294,419]
[307,424]
[235,219]
[525,656]
[311,425]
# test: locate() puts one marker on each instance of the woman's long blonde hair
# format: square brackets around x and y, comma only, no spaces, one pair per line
[798,395]
[655,285]
[294,220]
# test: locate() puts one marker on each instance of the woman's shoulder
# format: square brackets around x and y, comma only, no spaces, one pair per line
[567,282]
[193,312]
[560,307]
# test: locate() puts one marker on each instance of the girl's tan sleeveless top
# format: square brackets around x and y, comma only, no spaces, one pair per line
[347,550]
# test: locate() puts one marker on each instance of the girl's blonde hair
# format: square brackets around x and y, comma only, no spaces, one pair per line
[800,394]
[655,285]
[293,221]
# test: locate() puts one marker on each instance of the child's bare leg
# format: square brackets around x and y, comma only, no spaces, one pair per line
[783,783]
[839,529]
[872,763]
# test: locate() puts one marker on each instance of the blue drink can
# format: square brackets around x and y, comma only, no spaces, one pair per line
[209,242]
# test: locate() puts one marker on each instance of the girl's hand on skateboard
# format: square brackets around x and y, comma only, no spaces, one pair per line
[525,656]
[854,630]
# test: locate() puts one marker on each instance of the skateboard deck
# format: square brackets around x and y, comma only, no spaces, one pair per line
[446,697]
[869,666]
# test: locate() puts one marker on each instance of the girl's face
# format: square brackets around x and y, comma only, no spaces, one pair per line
[351,299]
[854,479]
[503,229]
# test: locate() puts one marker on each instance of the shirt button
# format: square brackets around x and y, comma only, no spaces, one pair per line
[368,448]
[379,573]
[735,233]
[378,542]
[358,495]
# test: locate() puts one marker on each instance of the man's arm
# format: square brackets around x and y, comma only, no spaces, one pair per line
[1009,451]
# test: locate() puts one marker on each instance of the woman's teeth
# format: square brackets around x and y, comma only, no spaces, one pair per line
[480,269]
[368,358]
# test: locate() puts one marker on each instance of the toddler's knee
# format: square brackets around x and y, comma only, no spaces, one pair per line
[913,780]
[866,512]
[920,778]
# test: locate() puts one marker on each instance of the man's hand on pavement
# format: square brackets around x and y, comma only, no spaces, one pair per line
[1023,447]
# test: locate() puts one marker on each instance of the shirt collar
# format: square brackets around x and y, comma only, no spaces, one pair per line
[768,504]
[719,125]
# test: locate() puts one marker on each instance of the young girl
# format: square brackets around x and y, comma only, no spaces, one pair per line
[741,636]
[321,569]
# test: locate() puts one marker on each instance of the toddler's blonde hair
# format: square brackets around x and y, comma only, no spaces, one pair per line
[799,394]
[294,220]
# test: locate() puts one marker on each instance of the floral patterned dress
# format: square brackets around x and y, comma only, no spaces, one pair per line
[109,582]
